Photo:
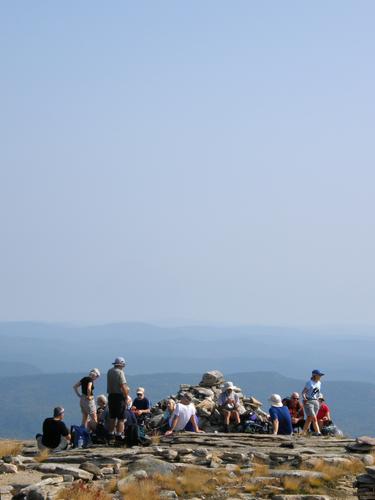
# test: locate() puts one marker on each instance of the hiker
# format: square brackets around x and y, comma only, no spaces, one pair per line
[324,415]
[184,416]
[228,403]
[87,401]
[118,392]
[310,396]
[56,436]
[171,405]
[141,406]
[280,416]
[103,412]
[295,408]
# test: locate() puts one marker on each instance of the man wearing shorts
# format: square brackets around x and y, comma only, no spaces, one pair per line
[310,396]
[118,392]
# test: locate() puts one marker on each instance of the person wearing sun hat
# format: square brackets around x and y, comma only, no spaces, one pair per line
[87,401]
[280,416]
[310,396]
[118,392]
[228,403]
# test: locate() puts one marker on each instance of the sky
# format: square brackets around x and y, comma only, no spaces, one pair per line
[200,161]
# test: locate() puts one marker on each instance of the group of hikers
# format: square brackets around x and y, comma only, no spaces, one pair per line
[116,418]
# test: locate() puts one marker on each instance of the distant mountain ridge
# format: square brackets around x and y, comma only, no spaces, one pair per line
[155,349]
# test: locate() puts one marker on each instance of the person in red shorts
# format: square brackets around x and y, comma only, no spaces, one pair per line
[324,414]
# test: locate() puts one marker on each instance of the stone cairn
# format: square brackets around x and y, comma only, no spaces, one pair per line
[205,396]
[365,483]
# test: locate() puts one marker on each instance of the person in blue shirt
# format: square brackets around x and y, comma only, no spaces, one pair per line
[280,416]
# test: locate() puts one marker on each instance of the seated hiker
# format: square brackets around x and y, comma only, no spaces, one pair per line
[280,416]
[171,405]
[324,415]
[296,411]
[141,406]
[184,416]
[228,403]
[55,435]
[102,427]
[87,401]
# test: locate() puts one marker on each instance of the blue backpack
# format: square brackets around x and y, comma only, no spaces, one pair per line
[80,436]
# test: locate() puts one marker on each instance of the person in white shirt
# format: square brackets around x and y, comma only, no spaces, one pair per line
[183,415]
[310,396]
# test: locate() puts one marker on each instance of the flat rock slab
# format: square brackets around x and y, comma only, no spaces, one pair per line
[152,466]
[301,497]
[300,474]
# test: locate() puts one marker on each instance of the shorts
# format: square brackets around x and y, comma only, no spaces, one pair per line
[117,406]
[88,406]
[311,408]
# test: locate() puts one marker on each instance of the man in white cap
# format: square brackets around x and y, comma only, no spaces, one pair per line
[228,403]
[118,392]
[280,416]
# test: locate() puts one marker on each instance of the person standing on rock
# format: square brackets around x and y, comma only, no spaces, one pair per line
[310,396]
[55,435]
[184,416]
[118,392]
[228,403]
[87,401]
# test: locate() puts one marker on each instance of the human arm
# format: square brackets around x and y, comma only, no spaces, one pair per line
[75,387]
[125,390]
[174,423]
[89,390]
[275,424]
[193,421]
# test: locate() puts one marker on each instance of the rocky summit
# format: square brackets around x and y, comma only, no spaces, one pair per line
[210,465]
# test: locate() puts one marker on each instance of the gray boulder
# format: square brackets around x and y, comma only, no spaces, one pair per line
[152,466]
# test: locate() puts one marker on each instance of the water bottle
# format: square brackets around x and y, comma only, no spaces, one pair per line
[80,442]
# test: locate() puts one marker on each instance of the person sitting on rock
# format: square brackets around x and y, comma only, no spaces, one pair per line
[141,406]
[228,403]
[296,411]
[56,436]
[170,408]
[280,416]
[184,416]
[324,415]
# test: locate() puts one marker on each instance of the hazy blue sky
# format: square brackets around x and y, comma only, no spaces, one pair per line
[198,160]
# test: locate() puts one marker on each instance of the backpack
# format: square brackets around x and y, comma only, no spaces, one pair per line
[80,436]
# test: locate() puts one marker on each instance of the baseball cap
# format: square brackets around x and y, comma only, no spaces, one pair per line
[140,390]
[119,361]
[59,410]
[317,372]
[95,371]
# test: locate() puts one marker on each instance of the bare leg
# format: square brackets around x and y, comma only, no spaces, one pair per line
[111,425]
[120,426]
[85,419]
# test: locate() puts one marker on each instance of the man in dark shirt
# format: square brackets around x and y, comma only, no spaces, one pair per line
[141,405]
[55,433]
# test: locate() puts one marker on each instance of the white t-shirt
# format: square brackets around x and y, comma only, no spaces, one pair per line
[184,412]
[312,389]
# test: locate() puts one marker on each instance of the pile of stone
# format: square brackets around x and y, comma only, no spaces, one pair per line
[205,396]
[365,483]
